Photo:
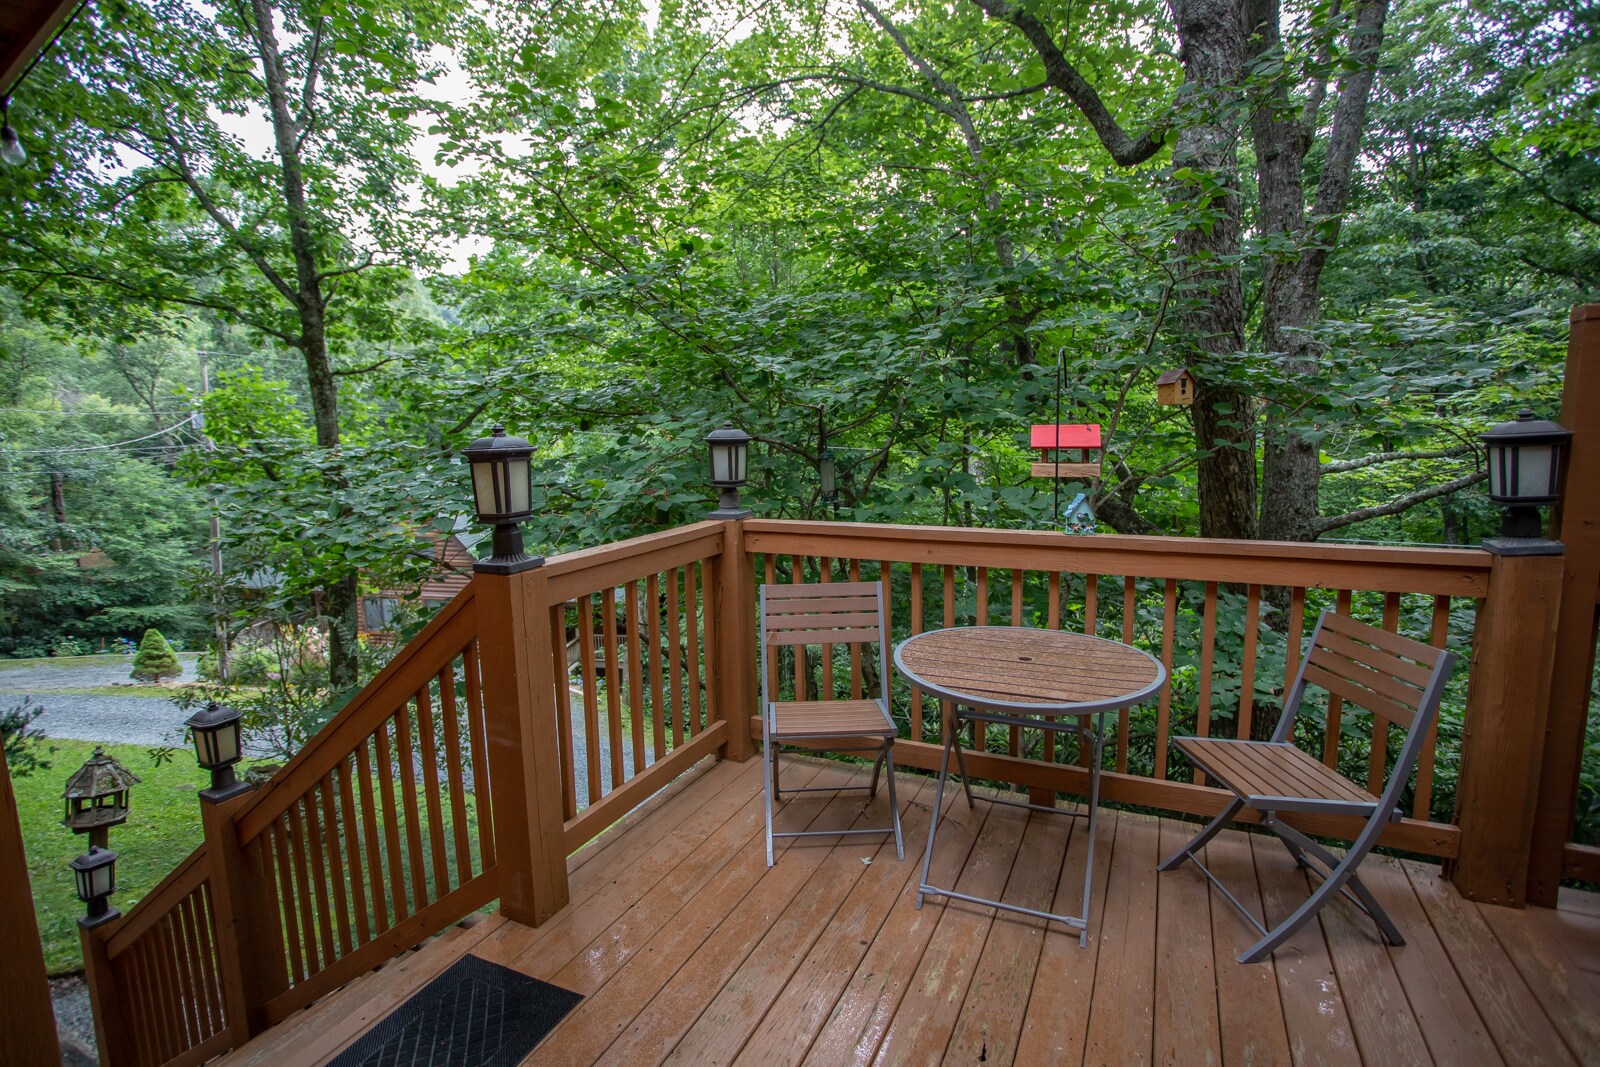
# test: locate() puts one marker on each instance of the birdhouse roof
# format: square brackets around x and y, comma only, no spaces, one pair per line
[1073,435]
[99,776]
[1080,505]
[1171,376]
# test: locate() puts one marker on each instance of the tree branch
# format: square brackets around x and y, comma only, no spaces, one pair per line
[1340,466]
[1322,524]
[1059,72]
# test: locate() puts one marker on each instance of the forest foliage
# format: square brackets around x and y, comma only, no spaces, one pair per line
[278,262]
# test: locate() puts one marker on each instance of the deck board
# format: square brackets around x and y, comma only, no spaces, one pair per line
[689,949]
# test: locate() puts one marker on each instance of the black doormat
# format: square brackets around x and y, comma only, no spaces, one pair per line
[476,1014]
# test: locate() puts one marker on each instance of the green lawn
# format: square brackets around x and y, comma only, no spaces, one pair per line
[163,827]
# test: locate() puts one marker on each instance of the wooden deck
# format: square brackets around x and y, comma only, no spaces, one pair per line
[688,949]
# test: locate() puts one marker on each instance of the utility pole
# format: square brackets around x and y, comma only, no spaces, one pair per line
[216,536]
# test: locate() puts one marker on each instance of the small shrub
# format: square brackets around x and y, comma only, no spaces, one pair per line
[21,739]
[69,646]
[155,659]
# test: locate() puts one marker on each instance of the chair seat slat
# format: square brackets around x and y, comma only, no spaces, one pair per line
[823,637]
[822,620]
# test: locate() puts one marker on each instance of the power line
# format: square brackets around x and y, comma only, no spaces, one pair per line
[96,448]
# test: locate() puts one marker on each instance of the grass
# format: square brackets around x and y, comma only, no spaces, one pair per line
[166,692]
[163,827]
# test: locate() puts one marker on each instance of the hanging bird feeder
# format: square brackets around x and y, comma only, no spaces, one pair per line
[1067,451]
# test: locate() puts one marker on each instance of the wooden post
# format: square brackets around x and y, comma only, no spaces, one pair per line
[26,1018]
[1503,743]
[1576,523]
[111,1031]
[249,969]
[519,695]
[737,696]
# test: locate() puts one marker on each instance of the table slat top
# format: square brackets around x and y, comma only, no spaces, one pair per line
[1027,669]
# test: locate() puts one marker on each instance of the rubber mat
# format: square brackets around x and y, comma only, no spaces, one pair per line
[476,1014]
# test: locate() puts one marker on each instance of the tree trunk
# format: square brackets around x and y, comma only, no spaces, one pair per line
[1290,279]
[342,588]
[1223,416]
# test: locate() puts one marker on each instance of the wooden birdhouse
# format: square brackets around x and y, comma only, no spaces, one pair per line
[1175,387]
[1079,516]
[1068,451]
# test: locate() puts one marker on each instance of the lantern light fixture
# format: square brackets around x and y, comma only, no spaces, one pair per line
[218,746]
[502,494]
[730,459]
[95,873]
[1527,462]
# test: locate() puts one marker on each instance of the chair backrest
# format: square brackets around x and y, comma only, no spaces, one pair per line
[1393,677]
[820,613]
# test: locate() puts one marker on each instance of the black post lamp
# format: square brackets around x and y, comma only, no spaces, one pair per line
[502,492]
[730,456]
[95,873]
[1527,459]
[217,747]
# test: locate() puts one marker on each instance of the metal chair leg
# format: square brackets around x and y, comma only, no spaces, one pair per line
[769,757]
[1307,911]
[894,803]
[1211,830]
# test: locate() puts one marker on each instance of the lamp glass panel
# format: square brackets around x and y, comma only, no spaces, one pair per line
[205,749]
[483,488]
[1500,457]
[102,880]
[85,884]
[722,463]
[518,477]
[227,743]
[1534,470]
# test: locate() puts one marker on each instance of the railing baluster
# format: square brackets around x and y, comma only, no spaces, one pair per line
[691,635]
[391,821]
[608,630]
[338,869]
[946,709]
[1438,637]
[1378,748]
[306,811]
[1130,596]
[674,655]
[591,696]
[635,672]
[309,925]
[658,705]
[706,660]
[1169,627]
[1016,620]
[1091,602]
[1208,648]
[1247,665]
[561,669]
[1052,621]
[1330,738]
[428,751]
[374,844]
[287,904]
[825,574]
[916,628]
[407,768]
[482,795]
[359,870]
[855,649]
[200,916]
[450,720]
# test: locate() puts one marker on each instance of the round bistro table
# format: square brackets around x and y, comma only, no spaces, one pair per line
[1041,679]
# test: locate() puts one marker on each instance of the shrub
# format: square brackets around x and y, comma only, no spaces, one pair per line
[155,659]
[21,739]
[70,646]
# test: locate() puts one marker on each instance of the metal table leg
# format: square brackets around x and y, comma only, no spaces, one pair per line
[1096,737]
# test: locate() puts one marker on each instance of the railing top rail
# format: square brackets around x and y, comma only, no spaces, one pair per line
[158,903]
[454,625]
[1441,571]
[576,573]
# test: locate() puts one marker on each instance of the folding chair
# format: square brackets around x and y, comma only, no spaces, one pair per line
[1396,679]
[827,613]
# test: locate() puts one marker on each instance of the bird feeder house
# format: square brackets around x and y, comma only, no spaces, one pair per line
[1067,451]
[1175,387]
[97,797]
[1079,516]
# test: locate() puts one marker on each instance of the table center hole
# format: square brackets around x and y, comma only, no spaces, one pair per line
[1025,659]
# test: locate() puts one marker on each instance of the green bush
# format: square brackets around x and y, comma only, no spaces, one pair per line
[155,659]
[70,646]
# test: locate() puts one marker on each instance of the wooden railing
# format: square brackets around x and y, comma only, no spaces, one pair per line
[1225,618]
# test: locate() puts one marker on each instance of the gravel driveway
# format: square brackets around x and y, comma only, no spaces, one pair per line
[136,719]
